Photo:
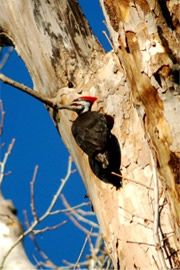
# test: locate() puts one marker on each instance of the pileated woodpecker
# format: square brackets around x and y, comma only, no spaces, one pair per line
[92,132]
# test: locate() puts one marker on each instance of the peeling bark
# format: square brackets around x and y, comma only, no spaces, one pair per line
[137,84]
[148,50]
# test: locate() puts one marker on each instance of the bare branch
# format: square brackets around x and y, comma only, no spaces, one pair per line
[70,209]
[2,117]
[3,163]
[71,265]
[94,259]
[50,228]
[56,196]
[83,247]
[38,264]
[32,193]
[131,180]
[78,225]
[6,57]
[98,258]
[85,213]
[108,39]
[48,263]
[45,215]
[78,217]
[27,90]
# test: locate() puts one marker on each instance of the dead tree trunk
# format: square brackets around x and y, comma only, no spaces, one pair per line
[136,83]
[10,230]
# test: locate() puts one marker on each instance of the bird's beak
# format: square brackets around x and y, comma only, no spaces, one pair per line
[69,107]
[66,107]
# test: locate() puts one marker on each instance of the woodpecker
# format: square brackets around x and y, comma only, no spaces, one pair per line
[92,132]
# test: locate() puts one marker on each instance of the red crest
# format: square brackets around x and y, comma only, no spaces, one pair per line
[90,99]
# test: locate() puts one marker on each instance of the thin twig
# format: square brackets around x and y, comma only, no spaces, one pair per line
[131,180]
[55,227]
[83,247]
[2,145]
[155,262]
[108,39]
[71,265]
[44,256]
[32,193]
[79,217]
[6,57]
[2,117]
[56,196]
[27,90]
[76,223]
[3,163]
[94,259]
[38,265]
[70,209]
[109,264]
[141,243]
[156,216]
[85,213]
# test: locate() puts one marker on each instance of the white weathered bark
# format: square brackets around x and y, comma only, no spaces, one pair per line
[10,230]
[60,51]
[147,46]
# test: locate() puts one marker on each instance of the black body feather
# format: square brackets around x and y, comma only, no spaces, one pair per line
[92,131]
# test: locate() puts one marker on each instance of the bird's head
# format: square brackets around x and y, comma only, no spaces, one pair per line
[80,105]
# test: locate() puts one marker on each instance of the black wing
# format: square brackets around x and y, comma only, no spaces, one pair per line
[91,132]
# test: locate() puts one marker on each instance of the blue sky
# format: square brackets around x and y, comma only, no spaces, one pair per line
[38,143]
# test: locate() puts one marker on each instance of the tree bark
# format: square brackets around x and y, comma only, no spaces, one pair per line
[136,83]
[10,230]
